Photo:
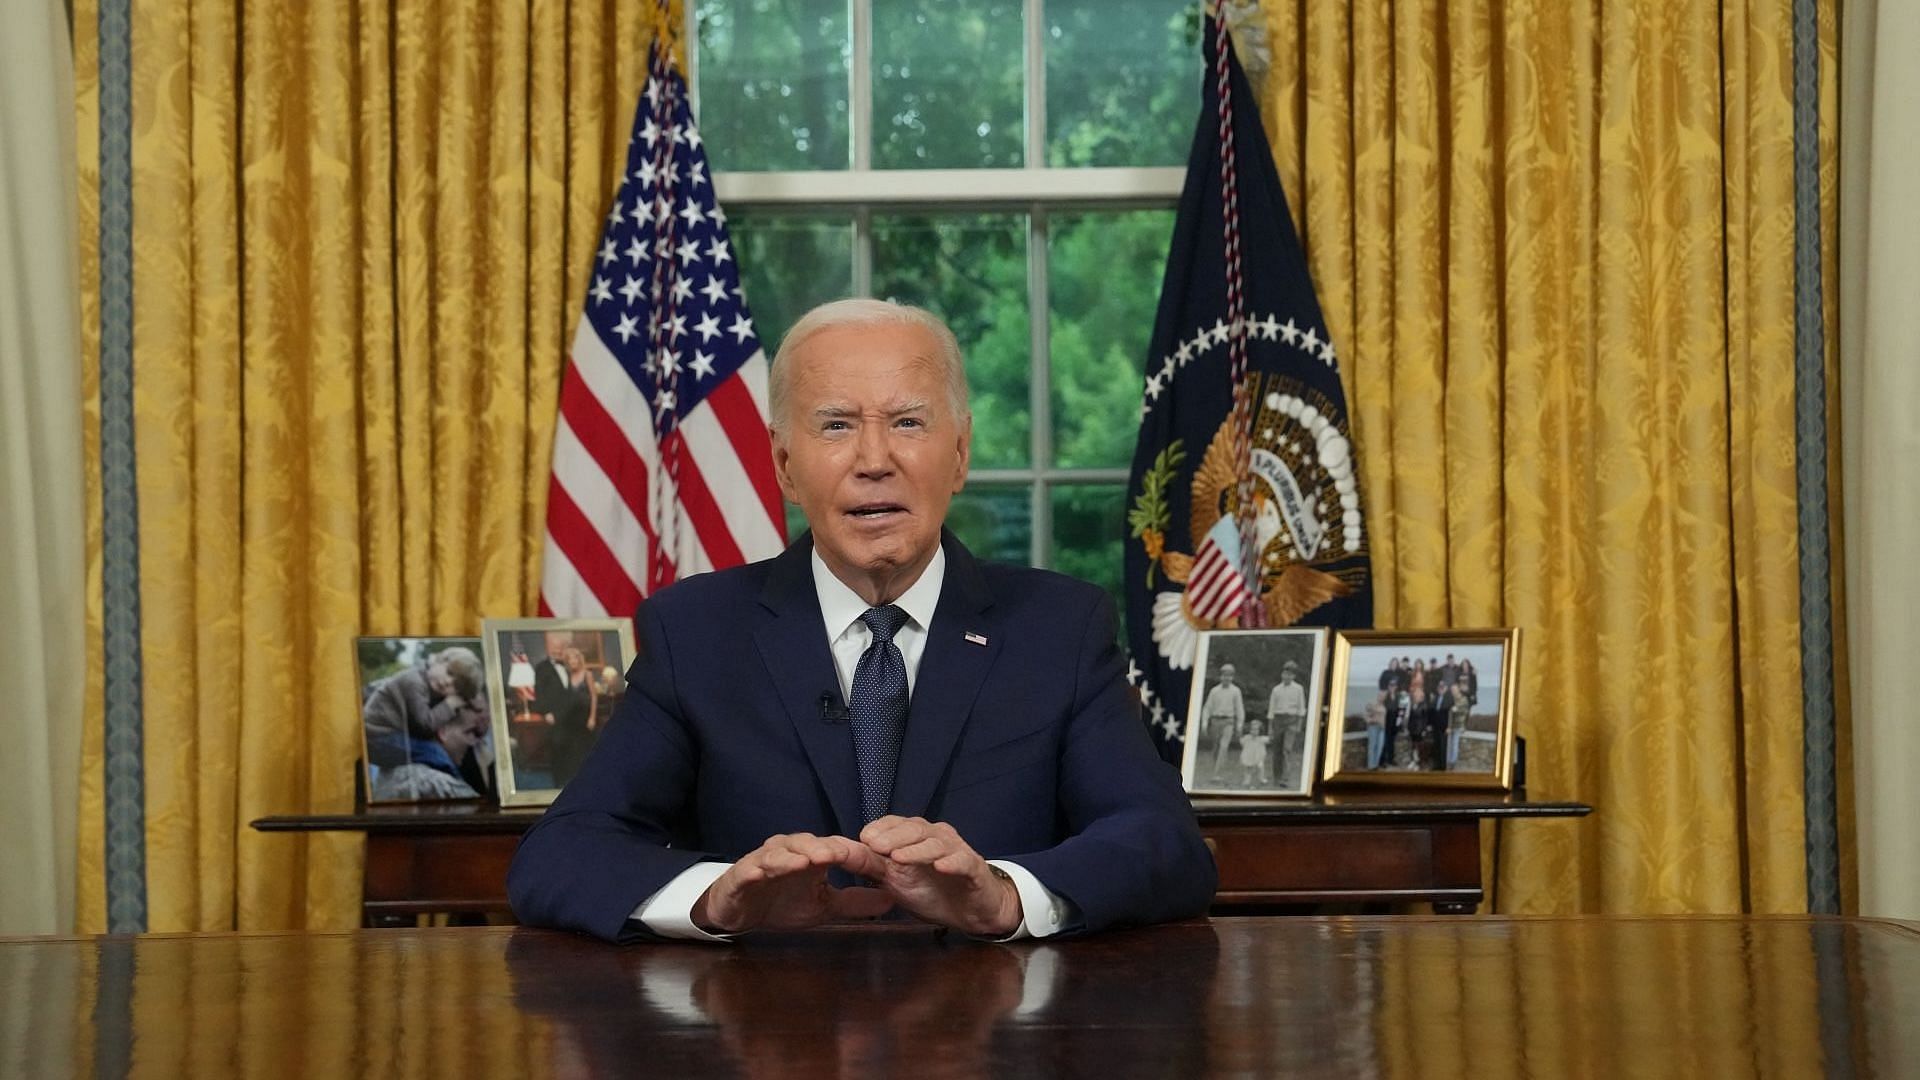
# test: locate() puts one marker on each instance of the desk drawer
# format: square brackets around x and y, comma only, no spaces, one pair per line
[1318,864]
[408,875]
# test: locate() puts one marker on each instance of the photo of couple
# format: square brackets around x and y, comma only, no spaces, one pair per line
[559,682]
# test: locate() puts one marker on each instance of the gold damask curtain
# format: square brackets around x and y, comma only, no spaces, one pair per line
[358,233]
[1555,243]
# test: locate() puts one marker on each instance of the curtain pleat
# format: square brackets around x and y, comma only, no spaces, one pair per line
[1555,246]
[360,232]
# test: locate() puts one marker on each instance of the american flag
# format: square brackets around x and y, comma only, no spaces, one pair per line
[661,461]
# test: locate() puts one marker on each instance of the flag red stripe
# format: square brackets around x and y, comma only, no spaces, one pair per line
[701,508]
[1217,584]
[746,429]
[580,543]
[600,435]
[1206,577]
[1206,569]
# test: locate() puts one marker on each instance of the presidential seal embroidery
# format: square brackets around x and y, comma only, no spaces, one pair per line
[1307,525]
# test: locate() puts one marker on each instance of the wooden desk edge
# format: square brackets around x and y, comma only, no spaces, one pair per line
[1902,926]
[1212,810]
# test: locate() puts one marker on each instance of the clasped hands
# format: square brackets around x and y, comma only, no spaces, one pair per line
[921,867]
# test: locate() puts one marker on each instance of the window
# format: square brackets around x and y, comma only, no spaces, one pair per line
[1010,164]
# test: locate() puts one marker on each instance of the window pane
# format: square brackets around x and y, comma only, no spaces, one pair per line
[773,83]
[1088,529]
[789,263]
[1103,284]
[1123,81]
[995,521]
[970,269]
[948,85]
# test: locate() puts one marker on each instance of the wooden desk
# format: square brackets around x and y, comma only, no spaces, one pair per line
[1364,847]
[1393,998]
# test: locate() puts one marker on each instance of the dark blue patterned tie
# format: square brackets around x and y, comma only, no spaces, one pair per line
[879,710]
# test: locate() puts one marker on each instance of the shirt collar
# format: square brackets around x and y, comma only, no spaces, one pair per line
[840,606]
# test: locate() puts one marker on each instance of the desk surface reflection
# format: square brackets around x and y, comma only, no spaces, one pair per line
[1716,997]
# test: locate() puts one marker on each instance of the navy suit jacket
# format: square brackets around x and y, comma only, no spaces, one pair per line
[1028,745]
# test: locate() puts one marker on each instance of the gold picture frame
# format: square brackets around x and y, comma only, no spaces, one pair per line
[1383,732]
[545,722]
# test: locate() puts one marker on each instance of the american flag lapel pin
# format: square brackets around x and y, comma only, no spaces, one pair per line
[977,639]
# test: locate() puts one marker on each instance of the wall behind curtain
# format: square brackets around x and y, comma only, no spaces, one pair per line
[1880,339]
[359,236]
[42,566]
[1555,244]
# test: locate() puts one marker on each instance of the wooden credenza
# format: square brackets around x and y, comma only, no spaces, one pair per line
[1372,848]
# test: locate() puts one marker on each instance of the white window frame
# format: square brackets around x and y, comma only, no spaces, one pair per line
[1035,189]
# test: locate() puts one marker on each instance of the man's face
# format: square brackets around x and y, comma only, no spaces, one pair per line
[463,735]
[872,453]
[557,643]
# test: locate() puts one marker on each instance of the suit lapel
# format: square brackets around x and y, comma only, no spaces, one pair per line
[793,644]
[951,671]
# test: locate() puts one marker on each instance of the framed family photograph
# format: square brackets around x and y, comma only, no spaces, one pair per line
[1423,708]
[1253,719]
[425,731]
[554,684]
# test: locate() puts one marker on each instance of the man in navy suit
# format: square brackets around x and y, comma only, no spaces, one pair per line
[871,720]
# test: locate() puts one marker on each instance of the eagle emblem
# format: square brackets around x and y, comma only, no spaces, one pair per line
[1307,525]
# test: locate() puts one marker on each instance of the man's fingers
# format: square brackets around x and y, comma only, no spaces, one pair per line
[817,850]
[860,860]
[858,903]
[779,862]
[785,856]
[890,832]
[922,852]
[956,862]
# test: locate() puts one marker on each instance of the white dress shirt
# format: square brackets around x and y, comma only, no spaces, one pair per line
[1287,699]
[669,912]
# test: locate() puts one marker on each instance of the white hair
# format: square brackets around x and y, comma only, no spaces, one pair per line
[861,311]
[462,667]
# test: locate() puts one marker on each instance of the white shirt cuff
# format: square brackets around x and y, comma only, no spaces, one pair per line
[669,912]
[1042,914]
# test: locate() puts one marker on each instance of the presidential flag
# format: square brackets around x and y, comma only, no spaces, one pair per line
[662,465]
[1244,505]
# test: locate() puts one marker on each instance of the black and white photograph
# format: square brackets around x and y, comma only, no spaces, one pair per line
[426,733]
[1253,721]
[1422,706]
[555,683]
